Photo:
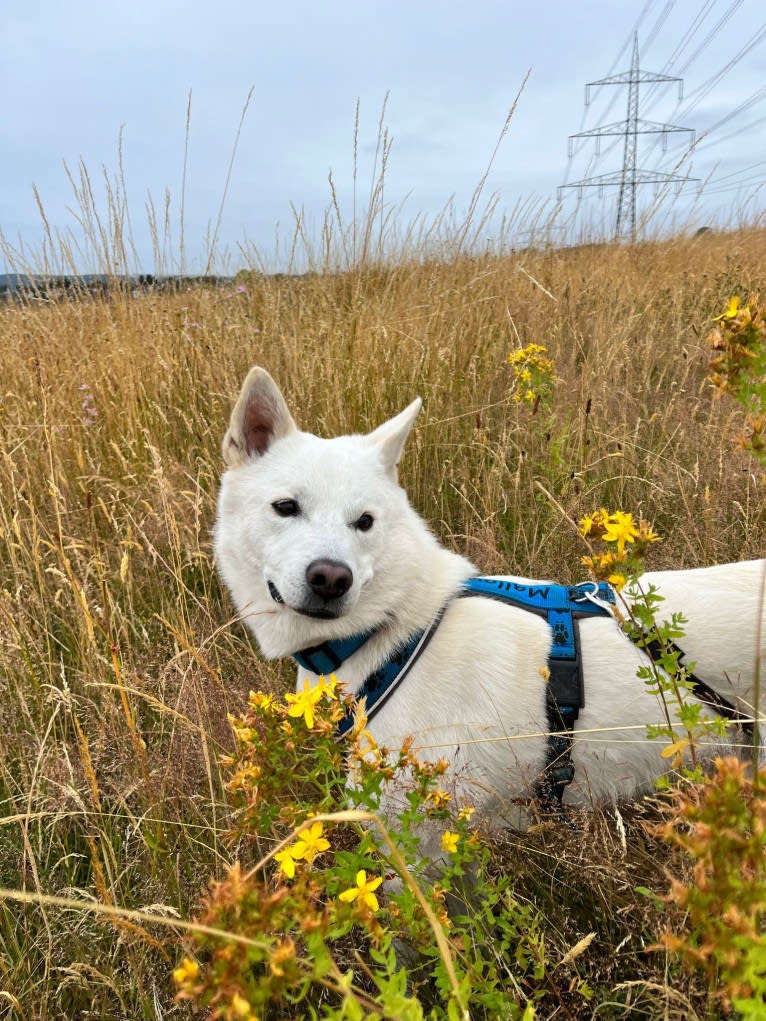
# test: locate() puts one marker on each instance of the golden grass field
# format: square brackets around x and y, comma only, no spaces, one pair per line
[119,655]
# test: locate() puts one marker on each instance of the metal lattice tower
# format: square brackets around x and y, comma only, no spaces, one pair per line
[631,175]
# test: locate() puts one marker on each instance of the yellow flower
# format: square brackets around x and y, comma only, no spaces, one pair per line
[618,581]
[329,685]
[449,841]
[366,743]
[466,812]
[260,700]
[363,891]
[186,972]
[439,799]
[242,734]
[286,861]
[732,309]
[592,525]
[676,752]
[586,524]
[305,702]
[620,528]
[310,843]
[645,533]
[603,565]
[241,1008]
[248,776]
[283,952]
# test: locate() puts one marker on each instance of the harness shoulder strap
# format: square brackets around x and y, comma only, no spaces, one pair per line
[561,606]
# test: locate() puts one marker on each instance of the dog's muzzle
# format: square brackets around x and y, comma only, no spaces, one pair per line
[315,608]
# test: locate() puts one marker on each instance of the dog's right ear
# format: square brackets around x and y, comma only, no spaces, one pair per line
[260,416]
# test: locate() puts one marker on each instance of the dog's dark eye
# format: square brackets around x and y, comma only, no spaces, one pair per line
[364,522]
[286,508]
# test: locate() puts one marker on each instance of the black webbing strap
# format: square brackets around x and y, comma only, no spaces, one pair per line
[558,772]
[712,698]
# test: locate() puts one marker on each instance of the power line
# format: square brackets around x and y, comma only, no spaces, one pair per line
[663,17]
[711,35]
[745,105]
[744,170]
[686,38]
[631,175]
[748,184]
[718,77]
[683,110]
[734,134]
[633,32]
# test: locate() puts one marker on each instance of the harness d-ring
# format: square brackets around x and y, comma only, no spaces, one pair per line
[593,597]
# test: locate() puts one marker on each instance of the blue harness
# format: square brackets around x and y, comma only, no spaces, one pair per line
[559,605]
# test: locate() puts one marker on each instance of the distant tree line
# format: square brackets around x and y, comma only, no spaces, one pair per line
[15,285]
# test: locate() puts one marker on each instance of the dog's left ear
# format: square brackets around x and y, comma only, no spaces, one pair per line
[390,437]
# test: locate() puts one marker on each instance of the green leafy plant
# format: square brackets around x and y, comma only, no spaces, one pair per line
[717,820]
[315,932]
[618,551]
[738,367]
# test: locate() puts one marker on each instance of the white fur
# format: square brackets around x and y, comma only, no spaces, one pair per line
[477,695]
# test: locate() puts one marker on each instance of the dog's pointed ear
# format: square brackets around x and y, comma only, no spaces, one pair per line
[260,417]
[390,437]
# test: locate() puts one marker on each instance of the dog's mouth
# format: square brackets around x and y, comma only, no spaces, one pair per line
[314,612]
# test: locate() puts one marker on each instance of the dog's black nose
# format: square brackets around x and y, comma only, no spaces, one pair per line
[329,579]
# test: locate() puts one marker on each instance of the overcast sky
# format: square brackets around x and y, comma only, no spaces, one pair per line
[76,77]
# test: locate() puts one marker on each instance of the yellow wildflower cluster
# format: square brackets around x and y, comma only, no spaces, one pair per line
[439,798]
[186,974]
[618,530]
[304,702]
[738,364]
[267,711]
[737,341]
[311,842]
[260,700]
[533,374]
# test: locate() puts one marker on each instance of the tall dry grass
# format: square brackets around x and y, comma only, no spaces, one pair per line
[119,658]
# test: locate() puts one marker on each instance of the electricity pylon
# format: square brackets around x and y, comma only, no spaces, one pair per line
[631,176]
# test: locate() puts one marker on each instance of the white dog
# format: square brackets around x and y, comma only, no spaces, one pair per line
[320,547]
